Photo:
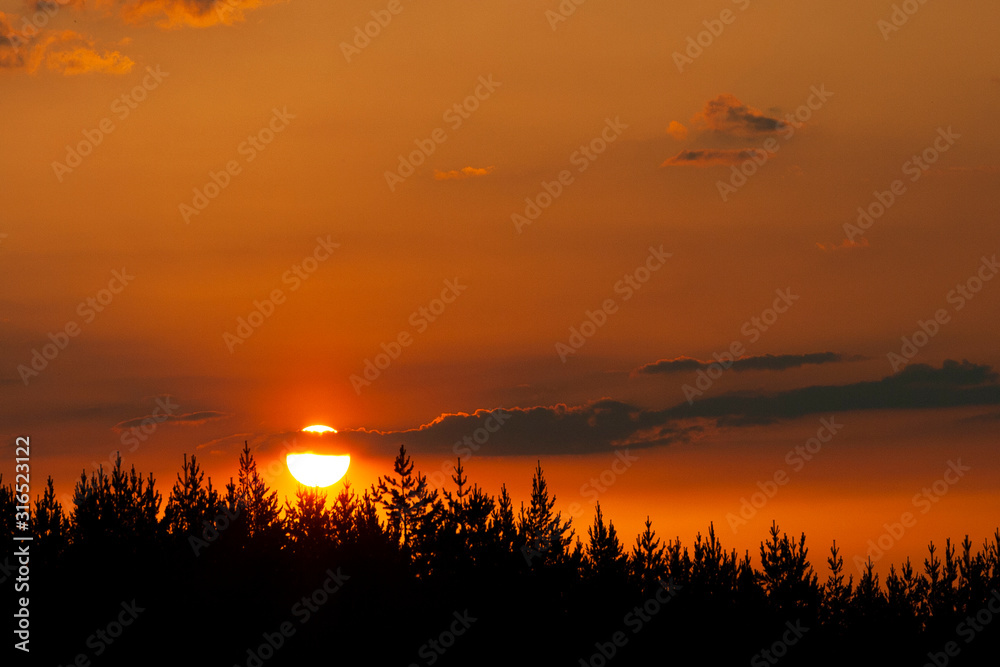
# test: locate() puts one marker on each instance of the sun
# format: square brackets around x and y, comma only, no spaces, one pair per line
[318,470]
[319,428]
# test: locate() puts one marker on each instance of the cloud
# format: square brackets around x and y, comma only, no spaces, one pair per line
[52,6]
[606,424]
[727,115]
[62,51]
[846,244]
[241,437]
[189,419]
[764,362]
[710,157]
[918,386]
[82,59]
[189,13]
[593,427]
[677,130]
[463,173]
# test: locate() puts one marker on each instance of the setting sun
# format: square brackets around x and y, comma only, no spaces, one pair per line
[319,428]
[316,469]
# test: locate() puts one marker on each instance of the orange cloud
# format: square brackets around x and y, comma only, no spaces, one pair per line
[677,130]
[460,174]
[189,13]
[62,51]
[81,60]
[711,157]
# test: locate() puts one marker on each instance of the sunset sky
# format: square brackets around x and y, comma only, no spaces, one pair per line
[217,215]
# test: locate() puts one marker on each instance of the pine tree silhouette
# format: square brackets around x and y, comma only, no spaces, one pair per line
[605,556]
[648,562]
[256,505]
[191,505]
[429,557]
[544,534]
[409,503]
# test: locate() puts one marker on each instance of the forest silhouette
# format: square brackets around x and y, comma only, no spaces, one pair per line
[404,574]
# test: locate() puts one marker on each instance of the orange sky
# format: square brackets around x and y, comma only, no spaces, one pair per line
[238,151]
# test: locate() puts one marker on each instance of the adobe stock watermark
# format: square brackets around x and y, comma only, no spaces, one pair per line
[739,174]
[88,309]
[957,297]
[419,320]
[294,277]
[31,25]
[634,621]
[455,116]
[590,490]
[714,28]
[562,12]
[779,649]
[581,158]
[924,502]
[433,649]
[212,530]
[364,34]
[121,108]
[103,638]
[796,459]
[915,168]
[967,629]
[302,611]
[626,288]
[136,431]
[900,16]
[249,149]
[469,445]
[752,329]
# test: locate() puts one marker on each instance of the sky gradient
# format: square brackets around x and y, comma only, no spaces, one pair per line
[229,220]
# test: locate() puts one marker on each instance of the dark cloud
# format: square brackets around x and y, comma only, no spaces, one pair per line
[708,157]
[917,386]
[190,418]
[190,13]
[764,362]
[727,115]
[606,424]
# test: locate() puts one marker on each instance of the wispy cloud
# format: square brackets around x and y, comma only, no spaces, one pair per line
[764,362]
[64,51]
[463,173]
[189,13]
[709,157]
[190,419]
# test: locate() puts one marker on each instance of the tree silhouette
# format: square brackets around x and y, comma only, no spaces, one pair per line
[408,501]
[605,556]
[191,505]
[50,526]
[414,559]
[648,563]
[544,534]
[255,504]
[786,574]
[121,508]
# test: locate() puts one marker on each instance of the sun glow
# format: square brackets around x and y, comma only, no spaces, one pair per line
[319,428]
[317,470]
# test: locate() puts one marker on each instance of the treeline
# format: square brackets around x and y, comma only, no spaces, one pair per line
[404,575]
